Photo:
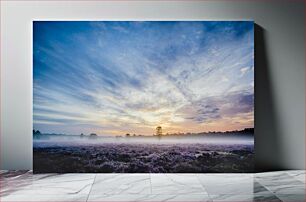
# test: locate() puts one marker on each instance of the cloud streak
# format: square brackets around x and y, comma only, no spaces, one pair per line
[117,77]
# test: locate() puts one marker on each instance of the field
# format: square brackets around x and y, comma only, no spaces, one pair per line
[143,158]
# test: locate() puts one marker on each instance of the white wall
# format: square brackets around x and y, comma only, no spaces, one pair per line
[279,64]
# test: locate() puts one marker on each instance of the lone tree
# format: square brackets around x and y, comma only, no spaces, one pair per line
[159,131]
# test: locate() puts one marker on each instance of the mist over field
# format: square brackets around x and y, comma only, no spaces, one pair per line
[211,153]
[71,140]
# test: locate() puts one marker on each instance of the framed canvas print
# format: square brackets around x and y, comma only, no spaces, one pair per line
[143,96]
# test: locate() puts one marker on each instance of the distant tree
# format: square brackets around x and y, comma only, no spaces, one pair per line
[93,135]
[36,132]
[127,135]
[159,131]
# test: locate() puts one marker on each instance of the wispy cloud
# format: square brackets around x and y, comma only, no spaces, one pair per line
[118,77]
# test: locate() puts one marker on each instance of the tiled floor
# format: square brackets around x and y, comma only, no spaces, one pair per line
[272,186]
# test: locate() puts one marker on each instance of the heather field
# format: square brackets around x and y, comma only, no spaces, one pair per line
[136,157]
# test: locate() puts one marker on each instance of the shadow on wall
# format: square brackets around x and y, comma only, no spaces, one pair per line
[268,153]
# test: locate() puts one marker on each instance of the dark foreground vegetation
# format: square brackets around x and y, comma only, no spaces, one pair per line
[144,158]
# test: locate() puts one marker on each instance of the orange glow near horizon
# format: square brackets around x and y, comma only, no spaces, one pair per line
[220,125]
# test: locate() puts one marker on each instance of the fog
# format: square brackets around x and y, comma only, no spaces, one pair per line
[65,140]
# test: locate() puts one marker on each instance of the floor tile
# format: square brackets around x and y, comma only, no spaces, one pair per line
[216,184]
[282,184]
[149,198]
[49,184]
[291,197]
[231,198]
[43,198]
[180,198]
[114,198]
[275,175]
[245,198]
[14,174]
[265,198]
[13,181]
[121,184]
[175,184]
[298,175]
[260,189]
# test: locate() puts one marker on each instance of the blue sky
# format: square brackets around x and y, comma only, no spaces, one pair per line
[112,78]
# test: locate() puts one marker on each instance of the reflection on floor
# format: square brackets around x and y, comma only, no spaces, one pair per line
[271,186]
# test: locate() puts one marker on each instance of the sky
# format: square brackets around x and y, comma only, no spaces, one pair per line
[118,77]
